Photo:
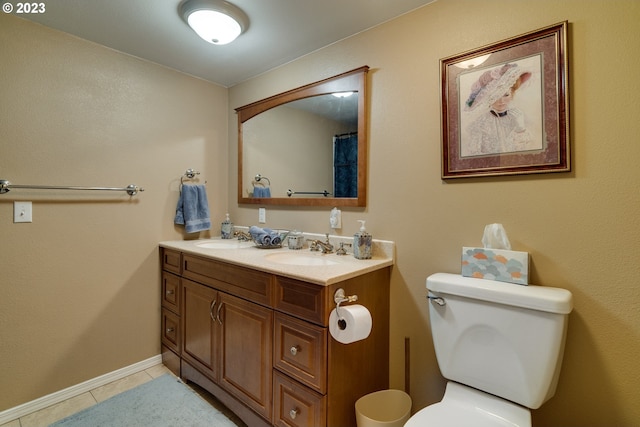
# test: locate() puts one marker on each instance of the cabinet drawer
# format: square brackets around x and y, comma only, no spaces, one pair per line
[295,405]
[171,330]
[301,299]
[171,261]
[171,292]
[243,282]
[301,351]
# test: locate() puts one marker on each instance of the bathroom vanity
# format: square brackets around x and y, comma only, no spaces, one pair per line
[251,327]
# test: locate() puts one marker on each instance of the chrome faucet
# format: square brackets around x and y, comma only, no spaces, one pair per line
[326,247]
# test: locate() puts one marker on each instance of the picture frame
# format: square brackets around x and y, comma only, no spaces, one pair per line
[505,108]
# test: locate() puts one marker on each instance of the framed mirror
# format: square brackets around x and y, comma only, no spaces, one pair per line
[306,146]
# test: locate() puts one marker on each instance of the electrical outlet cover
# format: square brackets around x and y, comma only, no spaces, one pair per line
[335,218]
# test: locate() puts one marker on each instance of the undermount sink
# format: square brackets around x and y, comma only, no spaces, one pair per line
[224,244]
[296,258]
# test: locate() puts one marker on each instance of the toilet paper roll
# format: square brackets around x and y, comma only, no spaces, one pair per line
[354,323]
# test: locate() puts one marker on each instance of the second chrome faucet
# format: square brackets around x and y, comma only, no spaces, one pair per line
[318,245]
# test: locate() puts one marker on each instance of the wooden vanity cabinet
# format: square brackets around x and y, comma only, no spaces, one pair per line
[260,342]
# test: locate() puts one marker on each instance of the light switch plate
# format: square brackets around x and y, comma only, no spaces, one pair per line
[22,212]
[262,215]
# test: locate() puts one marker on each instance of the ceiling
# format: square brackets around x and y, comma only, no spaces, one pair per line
[279,31]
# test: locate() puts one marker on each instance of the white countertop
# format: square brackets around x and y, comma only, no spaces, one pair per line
[341,267]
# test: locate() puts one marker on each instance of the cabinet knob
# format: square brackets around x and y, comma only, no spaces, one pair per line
[169,330]
[294,413]
[294,350]
[169,292]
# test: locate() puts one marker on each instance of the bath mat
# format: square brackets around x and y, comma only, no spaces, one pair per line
[161,402]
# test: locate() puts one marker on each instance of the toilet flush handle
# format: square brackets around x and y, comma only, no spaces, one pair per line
[438,300]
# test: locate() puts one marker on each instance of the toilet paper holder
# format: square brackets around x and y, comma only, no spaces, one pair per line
[339,297]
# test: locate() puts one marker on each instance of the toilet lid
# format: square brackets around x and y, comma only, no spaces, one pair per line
[464,406]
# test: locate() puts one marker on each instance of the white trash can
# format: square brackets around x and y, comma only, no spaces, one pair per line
[385,408]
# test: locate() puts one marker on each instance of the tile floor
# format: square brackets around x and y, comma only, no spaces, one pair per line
[46,416]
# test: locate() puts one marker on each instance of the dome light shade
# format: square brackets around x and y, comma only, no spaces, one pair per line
[342,94]
[473,62]
[215,21]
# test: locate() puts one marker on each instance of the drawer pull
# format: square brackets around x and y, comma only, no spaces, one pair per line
[169,292]
[218,314]
[295,349]
[294,413]
[169,330]
[213,304]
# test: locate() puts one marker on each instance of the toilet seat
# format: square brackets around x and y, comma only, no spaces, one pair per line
[465,406]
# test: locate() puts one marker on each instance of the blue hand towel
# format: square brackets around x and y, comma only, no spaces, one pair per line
[193,209]
[261,192]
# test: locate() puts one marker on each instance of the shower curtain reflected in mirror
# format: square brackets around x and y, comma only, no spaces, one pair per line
[345,165]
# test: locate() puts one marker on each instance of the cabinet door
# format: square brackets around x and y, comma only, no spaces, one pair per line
[199,337]
[246,344]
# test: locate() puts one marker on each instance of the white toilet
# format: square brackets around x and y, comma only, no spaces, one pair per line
[500,346]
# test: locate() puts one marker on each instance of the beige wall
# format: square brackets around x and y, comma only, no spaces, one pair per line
[79,286]
[581,227]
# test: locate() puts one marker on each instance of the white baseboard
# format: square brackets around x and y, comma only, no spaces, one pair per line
[69,392]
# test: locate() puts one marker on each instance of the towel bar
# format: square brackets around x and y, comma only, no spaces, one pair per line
[325,193]
[5,186]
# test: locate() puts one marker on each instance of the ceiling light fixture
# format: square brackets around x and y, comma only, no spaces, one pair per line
[342,94]
[215,21]
[473,62]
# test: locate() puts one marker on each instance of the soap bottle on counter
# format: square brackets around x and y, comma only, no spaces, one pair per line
[226,230]
[362,243]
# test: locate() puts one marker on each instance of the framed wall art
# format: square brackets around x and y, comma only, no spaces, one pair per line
[505,107]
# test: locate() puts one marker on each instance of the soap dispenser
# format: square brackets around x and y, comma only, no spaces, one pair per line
[226,230]
[362,243]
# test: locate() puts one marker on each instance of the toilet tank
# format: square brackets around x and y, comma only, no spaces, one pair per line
[501,338]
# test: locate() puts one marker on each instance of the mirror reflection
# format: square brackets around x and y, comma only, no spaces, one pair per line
[306,146]
[309,147]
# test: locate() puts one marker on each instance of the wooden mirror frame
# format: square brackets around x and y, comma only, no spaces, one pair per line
[354,80]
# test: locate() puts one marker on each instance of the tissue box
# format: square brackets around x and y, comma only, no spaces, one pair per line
[496,264]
